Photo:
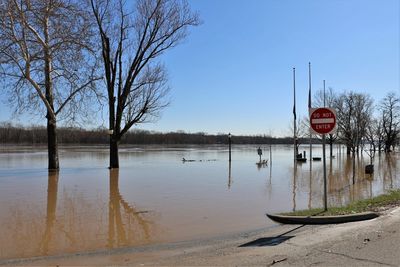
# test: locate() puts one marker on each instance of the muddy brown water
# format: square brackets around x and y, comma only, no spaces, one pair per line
[155,197]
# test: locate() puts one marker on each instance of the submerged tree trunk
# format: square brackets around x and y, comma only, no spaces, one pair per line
[114,160]
[52,146]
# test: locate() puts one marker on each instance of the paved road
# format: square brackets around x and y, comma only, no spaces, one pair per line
[368,243]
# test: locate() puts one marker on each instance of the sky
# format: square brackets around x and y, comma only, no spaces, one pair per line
[233,73]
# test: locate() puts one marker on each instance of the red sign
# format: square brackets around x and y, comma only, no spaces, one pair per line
[323,120]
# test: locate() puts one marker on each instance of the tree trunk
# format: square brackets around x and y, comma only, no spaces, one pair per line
[387,147]
[114,160]
[354,166]
[52,146]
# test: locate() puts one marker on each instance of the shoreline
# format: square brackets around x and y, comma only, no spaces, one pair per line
[150,248]
[307,245]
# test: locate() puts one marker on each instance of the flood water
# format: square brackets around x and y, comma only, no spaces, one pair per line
[156,198]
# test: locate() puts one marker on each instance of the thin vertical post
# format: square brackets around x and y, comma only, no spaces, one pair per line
[324,95]
[325,182]
[230,144]
[294,115]
[309,106]
[324,163]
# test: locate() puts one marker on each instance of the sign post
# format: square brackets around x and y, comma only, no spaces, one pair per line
[323,121]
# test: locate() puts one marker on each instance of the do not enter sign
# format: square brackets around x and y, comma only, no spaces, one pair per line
[323,120]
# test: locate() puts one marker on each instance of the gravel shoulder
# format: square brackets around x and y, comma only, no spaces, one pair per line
[366,243]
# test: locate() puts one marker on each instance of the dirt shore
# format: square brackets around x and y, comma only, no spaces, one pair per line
[367,243]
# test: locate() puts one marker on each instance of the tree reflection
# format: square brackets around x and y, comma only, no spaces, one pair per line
[125,224]
[71,230]
[52,189]
[391,168]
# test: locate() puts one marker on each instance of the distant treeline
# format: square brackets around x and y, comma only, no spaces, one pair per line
[17,134]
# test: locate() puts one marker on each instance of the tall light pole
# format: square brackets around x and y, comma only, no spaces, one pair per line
[230,143]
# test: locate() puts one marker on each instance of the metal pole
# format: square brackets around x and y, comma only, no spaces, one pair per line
[324,94]
[324,163]
[294,114]
[309,106]
[230,142]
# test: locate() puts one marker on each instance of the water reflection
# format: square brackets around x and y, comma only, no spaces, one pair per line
[340,173]
[230,175]
[155,198]
[68,222]
[294,184]
[52,189]
[125,223]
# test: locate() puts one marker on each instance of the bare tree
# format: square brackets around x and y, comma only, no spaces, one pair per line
[372,135]
[45,60]
[354,113]
[379,135]
[132,41]
[302,131]
[390,110]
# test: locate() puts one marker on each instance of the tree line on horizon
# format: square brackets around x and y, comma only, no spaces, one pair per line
[37,135]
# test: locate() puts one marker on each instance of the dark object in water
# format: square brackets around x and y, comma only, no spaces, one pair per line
[323,219]
[369,169]
[263,162]
[201,160]
[300,158]
[316,158]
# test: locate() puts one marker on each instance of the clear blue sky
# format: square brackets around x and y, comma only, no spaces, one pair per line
[234,72]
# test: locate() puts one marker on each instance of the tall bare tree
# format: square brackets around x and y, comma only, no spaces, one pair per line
[354,113]
[390,110]
[45,60]
[132,41]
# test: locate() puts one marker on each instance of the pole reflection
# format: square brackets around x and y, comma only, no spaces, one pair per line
[340,180]
[294,184]
[230,175]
